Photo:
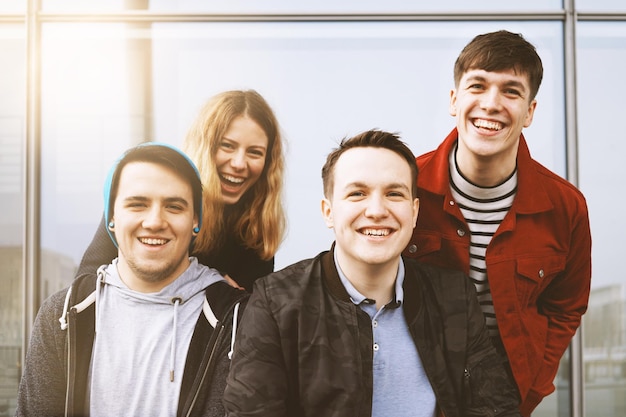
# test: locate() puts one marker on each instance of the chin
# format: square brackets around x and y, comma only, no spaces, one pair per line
[377,259]
[231,200]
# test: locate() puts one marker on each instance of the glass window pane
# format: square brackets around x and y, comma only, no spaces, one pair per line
[12,122]
[108,86]
[327,80]
[601,57]
[95,90]
[305,7]
[12,6]
[601,5]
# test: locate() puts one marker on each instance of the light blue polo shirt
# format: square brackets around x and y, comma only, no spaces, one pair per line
[401,387]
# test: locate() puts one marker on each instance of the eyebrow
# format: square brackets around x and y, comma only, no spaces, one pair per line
[392,186]
[169,200]
[510,83]
[236,141]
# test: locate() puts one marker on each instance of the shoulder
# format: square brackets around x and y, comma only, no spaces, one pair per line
[222,298]
[51,317]
[438,156]
[555,183]
[290,285]
[53,305]
[291,276]
[78,291]
[424,158]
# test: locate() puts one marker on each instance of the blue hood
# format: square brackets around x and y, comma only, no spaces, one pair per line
[109,180]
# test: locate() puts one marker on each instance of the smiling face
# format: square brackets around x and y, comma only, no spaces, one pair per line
[371,208]
[240,158]
[154,217]
[491,109]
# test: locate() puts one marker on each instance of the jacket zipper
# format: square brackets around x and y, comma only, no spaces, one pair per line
[206,370]
[208,365]
[468,386]
[69,365]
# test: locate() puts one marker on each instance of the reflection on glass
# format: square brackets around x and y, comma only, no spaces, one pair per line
[95,103]
[601,91]
[107,86]
[12,6]
[12,113]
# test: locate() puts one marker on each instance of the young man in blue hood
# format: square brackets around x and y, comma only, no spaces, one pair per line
[150,336]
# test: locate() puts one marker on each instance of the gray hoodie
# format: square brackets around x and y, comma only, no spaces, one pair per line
[141,342]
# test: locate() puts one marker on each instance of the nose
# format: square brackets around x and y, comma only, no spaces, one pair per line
[376,207]
[238,160]
[491,100]
[154,219]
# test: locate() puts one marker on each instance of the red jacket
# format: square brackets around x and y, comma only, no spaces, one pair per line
[538,262]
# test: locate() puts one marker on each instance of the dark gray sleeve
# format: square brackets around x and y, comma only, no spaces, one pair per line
[257,382]
[489,388]
[43,384]
[101,251]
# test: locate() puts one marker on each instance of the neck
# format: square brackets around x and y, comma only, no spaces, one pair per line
[485,171]
[149,281]
[374,281]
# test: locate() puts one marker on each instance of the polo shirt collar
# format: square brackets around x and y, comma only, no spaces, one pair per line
[357,298]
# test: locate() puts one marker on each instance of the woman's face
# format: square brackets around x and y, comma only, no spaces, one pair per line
[240,157]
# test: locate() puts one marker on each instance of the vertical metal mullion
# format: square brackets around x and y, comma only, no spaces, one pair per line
[31,179]
[577,406]
[139,56]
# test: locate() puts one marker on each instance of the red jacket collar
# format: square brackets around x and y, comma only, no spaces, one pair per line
[531,195]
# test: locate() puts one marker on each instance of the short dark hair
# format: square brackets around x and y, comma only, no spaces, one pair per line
[161,154]
[368,139]
[500,51]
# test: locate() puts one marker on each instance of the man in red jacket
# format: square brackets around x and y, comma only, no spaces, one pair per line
[518,230]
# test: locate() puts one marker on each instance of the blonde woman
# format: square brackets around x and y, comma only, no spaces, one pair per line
[236,143]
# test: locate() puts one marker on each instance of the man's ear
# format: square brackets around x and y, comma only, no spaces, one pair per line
[452,108]
[195,230]
[327,213]
[531,111]
[416,209]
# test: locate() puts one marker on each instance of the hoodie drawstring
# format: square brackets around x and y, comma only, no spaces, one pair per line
[234,331]
[94,296]
[63,318]
[99,280]
[176,301]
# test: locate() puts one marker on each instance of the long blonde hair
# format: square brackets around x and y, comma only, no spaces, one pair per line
[260,224]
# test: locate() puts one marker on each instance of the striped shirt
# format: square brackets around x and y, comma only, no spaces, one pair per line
[483,209]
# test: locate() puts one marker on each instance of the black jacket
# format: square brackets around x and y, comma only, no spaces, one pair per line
[58,359]
[304,349]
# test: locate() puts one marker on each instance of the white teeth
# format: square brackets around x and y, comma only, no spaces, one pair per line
[232,179]
[376,232]
[153,241]
[487,124]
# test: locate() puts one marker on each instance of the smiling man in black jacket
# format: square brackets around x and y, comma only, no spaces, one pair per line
[360,331]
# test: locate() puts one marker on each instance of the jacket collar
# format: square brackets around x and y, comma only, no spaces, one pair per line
[531,195]
[331,276]
[332,281]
